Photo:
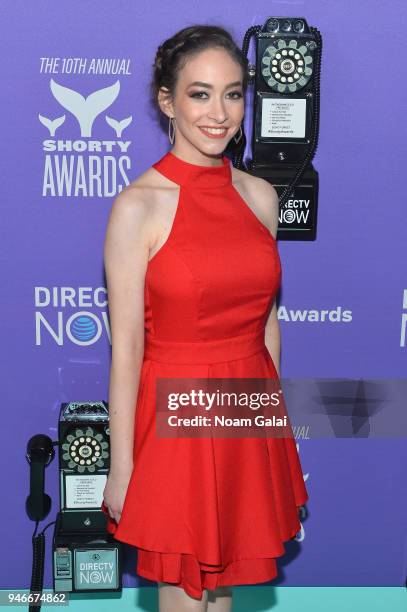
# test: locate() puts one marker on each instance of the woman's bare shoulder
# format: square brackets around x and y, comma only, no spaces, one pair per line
[145,190]
[151,178]
[260,195]
[251,182]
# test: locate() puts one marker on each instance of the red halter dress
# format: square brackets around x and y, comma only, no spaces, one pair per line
[207,512]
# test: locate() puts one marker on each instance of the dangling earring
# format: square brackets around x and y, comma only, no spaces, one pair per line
[237,140]
[171,127]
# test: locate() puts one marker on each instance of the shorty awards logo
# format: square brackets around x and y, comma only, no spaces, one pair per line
[83,166]
[70,314]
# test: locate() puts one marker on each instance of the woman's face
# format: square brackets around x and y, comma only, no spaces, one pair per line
[209,94]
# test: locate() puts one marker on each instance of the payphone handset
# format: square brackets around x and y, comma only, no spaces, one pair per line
[286,100]
[40,452]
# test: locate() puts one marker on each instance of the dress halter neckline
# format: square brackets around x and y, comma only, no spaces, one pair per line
[193,175]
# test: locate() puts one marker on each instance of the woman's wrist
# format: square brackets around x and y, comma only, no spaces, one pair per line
[124,469]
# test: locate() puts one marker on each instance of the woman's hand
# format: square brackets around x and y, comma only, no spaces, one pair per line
[115,491]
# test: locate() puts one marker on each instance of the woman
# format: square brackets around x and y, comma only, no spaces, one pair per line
[192,274]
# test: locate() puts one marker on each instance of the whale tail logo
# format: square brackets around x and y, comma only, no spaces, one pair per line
[85,110]
[51,124]
[118,126]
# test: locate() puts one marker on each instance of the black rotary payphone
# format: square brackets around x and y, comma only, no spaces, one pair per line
[85,556]
[286,104]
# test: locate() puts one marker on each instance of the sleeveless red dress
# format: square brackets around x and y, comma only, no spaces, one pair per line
[206,512]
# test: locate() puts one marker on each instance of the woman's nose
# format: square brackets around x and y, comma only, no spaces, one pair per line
[217,111]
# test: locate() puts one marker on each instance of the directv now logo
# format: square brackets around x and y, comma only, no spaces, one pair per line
[96,573]
[404,320]
[295,211]
[72,314]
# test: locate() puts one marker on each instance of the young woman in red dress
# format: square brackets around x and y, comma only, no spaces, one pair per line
[192,275]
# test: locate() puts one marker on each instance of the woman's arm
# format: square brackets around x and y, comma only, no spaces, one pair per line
[272,337]
[265,201]
[126,253]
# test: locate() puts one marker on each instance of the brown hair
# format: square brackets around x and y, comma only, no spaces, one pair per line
[174,52]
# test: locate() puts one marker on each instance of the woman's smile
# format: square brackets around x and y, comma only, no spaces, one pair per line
[214,132]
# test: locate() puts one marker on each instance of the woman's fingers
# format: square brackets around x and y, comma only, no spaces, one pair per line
[114,515]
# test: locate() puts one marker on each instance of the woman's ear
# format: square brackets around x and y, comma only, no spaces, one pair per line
[164,102]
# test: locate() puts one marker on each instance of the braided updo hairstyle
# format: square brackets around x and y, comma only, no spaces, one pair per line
[174,52]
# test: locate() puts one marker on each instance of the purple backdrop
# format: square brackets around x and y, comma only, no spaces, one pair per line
[55,206]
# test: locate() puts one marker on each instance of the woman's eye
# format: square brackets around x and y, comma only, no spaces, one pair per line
[198,94]
[238,94]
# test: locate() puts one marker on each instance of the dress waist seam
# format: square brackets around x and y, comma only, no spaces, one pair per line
[205,351]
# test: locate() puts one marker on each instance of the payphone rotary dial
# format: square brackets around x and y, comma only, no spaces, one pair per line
[286,66]
[85,450]
[84,439]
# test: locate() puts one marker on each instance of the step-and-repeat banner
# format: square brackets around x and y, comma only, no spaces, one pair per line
[78,126]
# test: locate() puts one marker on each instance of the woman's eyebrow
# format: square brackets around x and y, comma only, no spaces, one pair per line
[209,86]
